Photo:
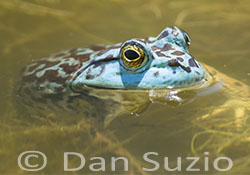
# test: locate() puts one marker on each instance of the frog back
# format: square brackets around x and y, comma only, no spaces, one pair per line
[44,86]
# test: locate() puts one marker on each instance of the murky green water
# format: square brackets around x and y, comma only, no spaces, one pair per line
[220,34]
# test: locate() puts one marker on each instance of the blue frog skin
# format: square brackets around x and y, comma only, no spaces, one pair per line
[153,63]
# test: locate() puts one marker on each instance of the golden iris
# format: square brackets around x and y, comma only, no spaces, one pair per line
[132,56]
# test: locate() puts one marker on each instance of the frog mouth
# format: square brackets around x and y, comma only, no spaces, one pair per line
[102,88]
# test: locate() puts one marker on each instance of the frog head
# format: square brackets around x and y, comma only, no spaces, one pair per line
[161,62]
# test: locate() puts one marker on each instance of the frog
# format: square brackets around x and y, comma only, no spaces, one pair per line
[103,80]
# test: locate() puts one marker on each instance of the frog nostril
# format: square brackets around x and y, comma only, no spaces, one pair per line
[177,43]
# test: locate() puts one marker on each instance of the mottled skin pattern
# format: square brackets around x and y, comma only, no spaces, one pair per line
[168,65]
[58,80]
[66,80]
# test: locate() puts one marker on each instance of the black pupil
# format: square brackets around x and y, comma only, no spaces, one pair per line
[131,55]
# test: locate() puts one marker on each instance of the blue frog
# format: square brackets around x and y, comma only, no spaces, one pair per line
[153,63]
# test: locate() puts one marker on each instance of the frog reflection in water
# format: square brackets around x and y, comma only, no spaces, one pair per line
[102,81]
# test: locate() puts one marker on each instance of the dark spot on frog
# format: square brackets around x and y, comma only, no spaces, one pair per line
[118,73]
[178,53]
[180,59]
[91,76]
[49,75]
[173,63]
[192,62]
[156,74]
[163,35]
[167,47]
[155,48]
[69,69]
[52,76]
[187,69]
[158,53]
[47,64]
[174,72]
[81,58]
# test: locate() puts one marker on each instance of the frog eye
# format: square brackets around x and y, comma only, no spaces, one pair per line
[132,56]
